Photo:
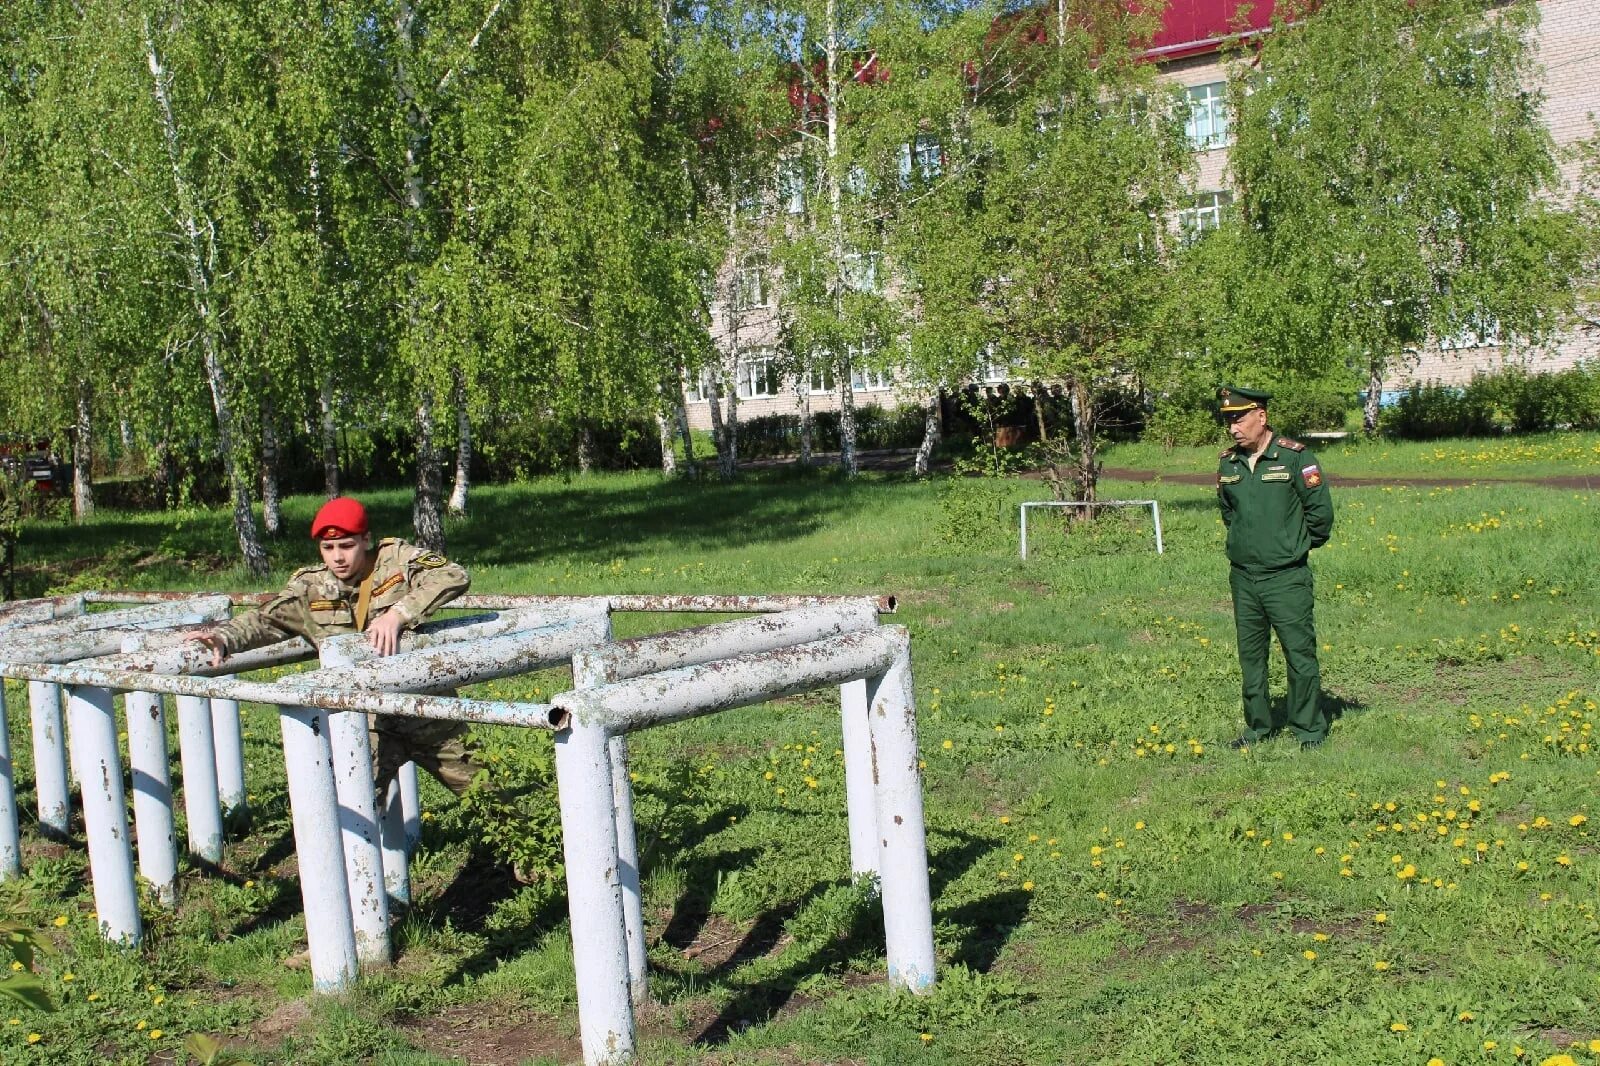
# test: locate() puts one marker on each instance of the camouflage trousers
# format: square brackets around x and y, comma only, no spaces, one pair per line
[434,746]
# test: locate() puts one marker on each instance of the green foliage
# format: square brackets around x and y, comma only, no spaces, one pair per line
[19,984]
[512,806]
[1435,219]
[1431,411]
[1508,400]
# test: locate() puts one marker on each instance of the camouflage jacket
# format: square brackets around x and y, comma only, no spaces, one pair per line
[314,604]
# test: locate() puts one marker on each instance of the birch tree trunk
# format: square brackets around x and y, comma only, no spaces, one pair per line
[832,89]
[271,502]
[426,517]
[463,479]
[83,453]
[1087,473]
[681,415]
[802,400]
[1370,408]
[330,438]
[196,244]
[585,448]
[931,432]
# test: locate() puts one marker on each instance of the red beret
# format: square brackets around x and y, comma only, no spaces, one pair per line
[339,517]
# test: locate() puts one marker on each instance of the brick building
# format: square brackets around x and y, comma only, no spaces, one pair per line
[1190,49]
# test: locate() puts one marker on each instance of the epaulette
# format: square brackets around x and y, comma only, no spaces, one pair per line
[1225,454]
[304,570]
[1292,445]
[388,540]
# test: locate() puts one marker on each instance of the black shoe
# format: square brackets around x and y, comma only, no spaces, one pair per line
[1239,743]
[1311,745]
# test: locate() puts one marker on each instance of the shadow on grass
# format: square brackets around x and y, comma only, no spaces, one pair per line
[587,520]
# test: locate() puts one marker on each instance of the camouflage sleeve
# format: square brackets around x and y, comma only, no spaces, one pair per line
[431,580]
[285,615]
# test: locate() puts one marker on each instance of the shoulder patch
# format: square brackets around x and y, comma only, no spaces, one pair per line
[1292,445]
[429,560]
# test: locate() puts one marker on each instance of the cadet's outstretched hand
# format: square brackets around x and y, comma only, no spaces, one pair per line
[384,633]
[210,640]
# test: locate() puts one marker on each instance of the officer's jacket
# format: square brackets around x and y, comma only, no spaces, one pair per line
[1277,512]
[314,604]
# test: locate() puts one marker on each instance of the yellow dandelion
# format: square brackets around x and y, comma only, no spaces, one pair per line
[1380,917]
[34,1038]
[1309,955]
[1465,1016]
[1577,820]
[61,919]
[1380,966]
[926,1037]
[1399,1027]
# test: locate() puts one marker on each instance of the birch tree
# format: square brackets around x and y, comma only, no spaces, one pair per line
[1401,193]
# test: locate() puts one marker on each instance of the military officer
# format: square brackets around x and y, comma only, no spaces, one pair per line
[1276,507]
[358,588]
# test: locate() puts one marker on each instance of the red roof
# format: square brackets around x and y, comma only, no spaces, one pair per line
[1196,27]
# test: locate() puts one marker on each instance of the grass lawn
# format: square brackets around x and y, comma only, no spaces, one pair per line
[1492,458]
[1111,883]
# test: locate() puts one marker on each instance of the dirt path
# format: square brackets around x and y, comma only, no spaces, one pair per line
[1587,482]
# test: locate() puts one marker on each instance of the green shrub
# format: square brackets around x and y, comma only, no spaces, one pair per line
[1432,411]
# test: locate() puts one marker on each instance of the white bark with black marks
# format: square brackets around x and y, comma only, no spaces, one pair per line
[463,475]
[271,501]
[427,518]
[932,431]
[198,253]
[83,453]
[330,438]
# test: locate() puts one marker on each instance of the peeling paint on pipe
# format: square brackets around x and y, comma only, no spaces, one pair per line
[105,818]
[10,837]
[693,691]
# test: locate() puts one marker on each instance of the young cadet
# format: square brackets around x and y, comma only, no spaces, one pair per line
[358,588]
[1276,506]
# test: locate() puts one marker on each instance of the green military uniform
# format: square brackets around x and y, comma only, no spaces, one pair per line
[406,579]
[1276,511]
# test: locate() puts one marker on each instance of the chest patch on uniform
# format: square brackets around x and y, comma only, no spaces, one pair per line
[1276,475]
[391,582]
[325,605]
[1228,479]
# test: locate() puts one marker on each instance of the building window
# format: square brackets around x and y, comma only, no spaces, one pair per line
[924,157]
[870,380]
[750,283]
[993,367]
[760,374]
[1484,335]
[791,186]
[706,386]
[823,378]
[1205,214]
[861,271]
[1208,115]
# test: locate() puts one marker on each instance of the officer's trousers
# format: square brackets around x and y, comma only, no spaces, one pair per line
[1279,602]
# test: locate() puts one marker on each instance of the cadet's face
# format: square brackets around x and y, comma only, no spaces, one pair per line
[1249,428]
[346,556]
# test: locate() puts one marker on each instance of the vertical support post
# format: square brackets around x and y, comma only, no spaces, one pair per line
[50,759]
[10,832]
[152,795]
[594,891]
[198,751]
[358,824]
[105,817]
[1155,513]
[1022,515]
[861,802]
[396,846]
[228,736]
[907,902]
[628,872]
[410,805]
[314,802]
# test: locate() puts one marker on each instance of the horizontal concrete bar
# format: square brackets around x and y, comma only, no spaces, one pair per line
[722,640]
[673,695]
[684,604]
[44,609]
[449,666]
[282,693]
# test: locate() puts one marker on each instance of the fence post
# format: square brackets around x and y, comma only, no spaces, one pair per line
[861,804]
[907,902]
[395,844]
[594,893]
[358,822]
[198,752]
[228,736]
[410,806]
[105,816]
[10,833]
[152,794]
[314,802]
[49,759]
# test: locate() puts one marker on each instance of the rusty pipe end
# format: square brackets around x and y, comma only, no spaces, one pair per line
[888,604]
